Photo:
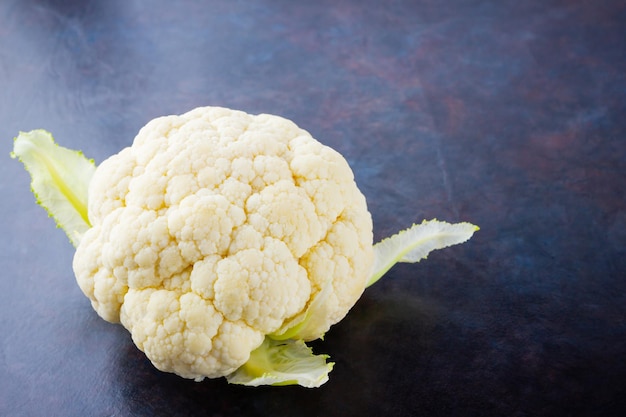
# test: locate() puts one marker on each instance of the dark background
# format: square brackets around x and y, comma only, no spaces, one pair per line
[507,114]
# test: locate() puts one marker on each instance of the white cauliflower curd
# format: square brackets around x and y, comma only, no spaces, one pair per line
[222,241]
[214,229]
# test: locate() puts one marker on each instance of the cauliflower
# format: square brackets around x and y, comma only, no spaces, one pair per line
[222,241]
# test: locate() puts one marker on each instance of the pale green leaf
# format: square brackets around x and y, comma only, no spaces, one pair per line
[416,242]
[60,178]
[300,326]
[289,362]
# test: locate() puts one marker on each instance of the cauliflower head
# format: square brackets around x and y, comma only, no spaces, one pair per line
[217,228]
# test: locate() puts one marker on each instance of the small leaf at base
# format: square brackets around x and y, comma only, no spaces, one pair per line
[289,362]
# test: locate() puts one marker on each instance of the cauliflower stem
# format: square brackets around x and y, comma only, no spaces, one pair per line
[60,182]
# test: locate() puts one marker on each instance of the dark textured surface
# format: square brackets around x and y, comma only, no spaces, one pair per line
[507,114]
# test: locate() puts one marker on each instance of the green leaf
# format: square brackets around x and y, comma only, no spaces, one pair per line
[299,327]
[416,242]
[60,178]
[289,362]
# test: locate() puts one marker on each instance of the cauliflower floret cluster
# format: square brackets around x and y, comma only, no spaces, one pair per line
[216,228]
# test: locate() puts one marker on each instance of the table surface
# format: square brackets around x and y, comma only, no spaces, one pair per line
[507,114]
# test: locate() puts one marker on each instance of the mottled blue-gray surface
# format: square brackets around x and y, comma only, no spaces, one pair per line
[508,114]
